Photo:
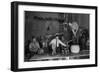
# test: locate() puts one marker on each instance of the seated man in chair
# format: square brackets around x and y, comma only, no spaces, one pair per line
[34,46]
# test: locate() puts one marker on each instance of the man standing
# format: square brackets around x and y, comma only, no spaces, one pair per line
[55,44]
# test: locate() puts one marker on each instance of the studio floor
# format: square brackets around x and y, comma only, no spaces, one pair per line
[45,57]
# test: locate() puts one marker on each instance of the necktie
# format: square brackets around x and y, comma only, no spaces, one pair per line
[56,43]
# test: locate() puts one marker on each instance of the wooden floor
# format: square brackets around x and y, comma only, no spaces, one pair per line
[81,55]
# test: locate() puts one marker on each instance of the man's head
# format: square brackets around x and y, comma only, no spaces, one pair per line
[33,38]
[74,25]
[57,37]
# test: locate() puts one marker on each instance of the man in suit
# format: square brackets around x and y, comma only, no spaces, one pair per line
[55,44]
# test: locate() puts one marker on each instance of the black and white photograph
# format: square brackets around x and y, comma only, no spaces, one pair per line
[52,36]
[56,36]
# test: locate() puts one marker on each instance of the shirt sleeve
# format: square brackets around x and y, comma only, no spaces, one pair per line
[60,42]
[30,45]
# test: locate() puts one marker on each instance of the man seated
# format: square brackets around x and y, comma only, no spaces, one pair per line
[34,46]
